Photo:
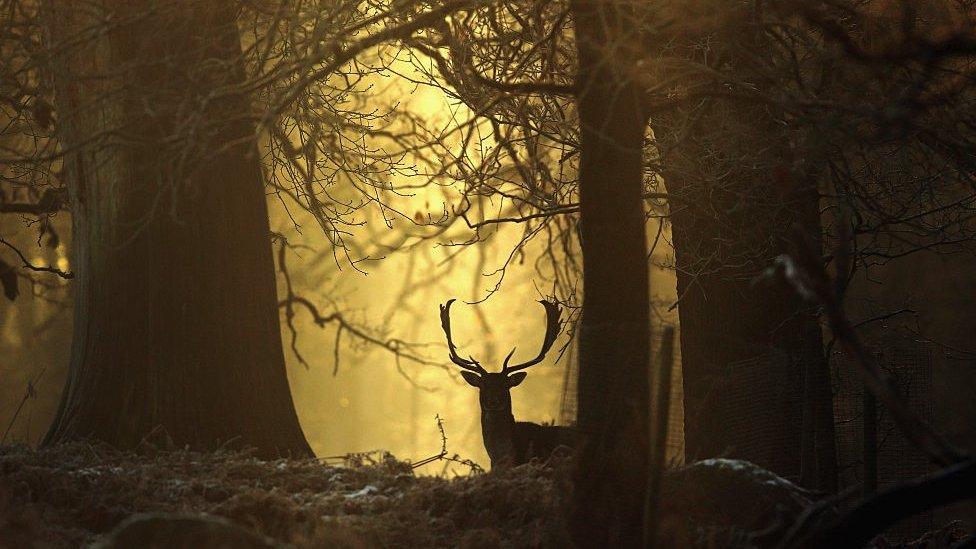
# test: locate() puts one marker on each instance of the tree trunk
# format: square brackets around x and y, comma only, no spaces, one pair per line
[613,403]
[741,183]
[756,381]
[176,334]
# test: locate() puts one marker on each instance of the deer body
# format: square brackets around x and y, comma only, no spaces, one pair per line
[533,441]
[507,441]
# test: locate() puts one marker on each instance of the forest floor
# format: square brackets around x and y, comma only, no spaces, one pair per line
[77,495]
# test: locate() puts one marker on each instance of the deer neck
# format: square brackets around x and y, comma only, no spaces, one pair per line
[496,430]
[497,419]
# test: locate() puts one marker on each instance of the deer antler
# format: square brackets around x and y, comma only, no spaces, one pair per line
[468,364]
[552,330]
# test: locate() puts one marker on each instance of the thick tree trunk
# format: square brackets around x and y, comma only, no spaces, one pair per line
[756,382]
[176,332]
[613,404]
[741,181]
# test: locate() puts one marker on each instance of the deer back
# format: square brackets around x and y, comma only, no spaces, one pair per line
[533,441]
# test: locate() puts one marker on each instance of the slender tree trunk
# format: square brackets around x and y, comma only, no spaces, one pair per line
[818,440]
[869,444]
[176,332]
[613,403]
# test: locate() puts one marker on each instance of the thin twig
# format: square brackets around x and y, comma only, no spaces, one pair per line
[28,394]
[393,345]
[442,456]
[50,202]
[31,267]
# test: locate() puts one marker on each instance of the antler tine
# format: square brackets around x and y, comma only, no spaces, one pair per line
[553,313]
[467,364]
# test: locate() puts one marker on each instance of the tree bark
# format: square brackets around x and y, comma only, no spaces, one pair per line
[176,333]
[756,380]
[614,344]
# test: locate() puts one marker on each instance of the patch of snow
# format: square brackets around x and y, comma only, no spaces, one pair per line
[367,490]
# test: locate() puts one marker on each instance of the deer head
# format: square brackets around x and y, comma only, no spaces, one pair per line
[494,387]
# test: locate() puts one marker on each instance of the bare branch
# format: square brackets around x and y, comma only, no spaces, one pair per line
[51,202]
[807,275]
[31,267]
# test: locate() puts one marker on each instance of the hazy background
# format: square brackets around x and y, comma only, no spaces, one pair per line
[370,401]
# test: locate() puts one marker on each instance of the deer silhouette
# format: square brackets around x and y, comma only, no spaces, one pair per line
[507,441]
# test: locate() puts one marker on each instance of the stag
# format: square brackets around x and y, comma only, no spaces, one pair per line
[507,441]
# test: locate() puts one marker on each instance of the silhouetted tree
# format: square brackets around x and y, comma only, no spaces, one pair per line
[176,323]
[153,125]
[616,84]
[742,178]
[157,111]
[614,334]
[541,109]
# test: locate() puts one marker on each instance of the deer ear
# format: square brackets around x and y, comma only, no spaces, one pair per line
[516,378]
[472,378]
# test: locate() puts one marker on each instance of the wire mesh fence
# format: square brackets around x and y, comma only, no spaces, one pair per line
[766,388]
[770,387]
[676,422]
[909,363]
